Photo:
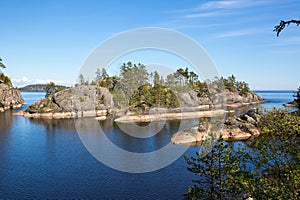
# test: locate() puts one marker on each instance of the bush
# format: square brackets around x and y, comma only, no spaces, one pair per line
[157,96]
[273,164]
[297,99]
[5,79]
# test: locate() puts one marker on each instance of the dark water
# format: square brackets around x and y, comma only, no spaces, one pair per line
[46,159]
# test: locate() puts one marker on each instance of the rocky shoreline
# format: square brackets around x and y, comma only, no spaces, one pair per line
[99,114]
[291,104]
[170,116]
[235,128]
[82,101]
[10,98]
[203,111]
[158,114]
[93,101]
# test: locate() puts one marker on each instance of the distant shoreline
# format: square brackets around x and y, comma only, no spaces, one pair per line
[37,88]
[273,91]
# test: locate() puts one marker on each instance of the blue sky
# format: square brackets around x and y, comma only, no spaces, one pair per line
[44,41]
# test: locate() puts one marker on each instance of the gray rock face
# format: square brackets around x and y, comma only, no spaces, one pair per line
[79,99]
[227,97]
[188,99]
[10,97]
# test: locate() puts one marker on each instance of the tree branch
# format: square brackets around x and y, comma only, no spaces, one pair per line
[282,25]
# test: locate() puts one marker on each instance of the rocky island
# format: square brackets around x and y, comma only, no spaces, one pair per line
[193,107]
[133,98]
[235,128]
[296,102]
[10,97]
[291,104]
[80,101]
[39,87]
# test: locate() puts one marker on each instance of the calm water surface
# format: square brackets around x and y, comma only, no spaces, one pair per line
[46,159]
[276,98]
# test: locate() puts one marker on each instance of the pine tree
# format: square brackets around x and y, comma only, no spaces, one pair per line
[297,99]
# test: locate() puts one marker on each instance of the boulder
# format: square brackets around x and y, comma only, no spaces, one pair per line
[235,128]
[80,101]
[10,97]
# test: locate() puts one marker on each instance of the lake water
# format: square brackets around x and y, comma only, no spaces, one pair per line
[276,98]
[46,159]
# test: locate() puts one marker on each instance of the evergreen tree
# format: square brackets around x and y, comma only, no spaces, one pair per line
[1,64]
[50,89]
[297,99]
[104,74]
[170,81]
[81,79]
[218,173]
[156,79]
[98,77]
[133,76]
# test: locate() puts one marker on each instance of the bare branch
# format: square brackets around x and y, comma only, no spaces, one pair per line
[282,25]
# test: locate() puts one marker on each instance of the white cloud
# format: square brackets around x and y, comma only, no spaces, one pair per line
[238,33]
[20,82]
[210,14]
[230,4]
[222,8]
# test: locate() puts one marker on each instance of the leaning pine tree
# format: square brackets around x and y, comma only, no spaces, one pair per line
[1,64]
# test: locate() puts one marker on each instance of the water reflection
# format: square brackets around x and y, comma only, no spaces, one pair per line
[51,124]
[5,120]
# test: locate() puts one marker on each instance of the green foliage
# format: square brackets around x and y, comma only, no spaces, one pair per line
[109,82]
[273,164]
[51,89]
[82,80]
[297,99]
[218,173]
[146,97]
[119,98]
[277,156]
[100,75]
[82,99]
[156,80]
[233,85]
[202,89]
[5,79]
[1,64]
[134,80]
[132,76]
